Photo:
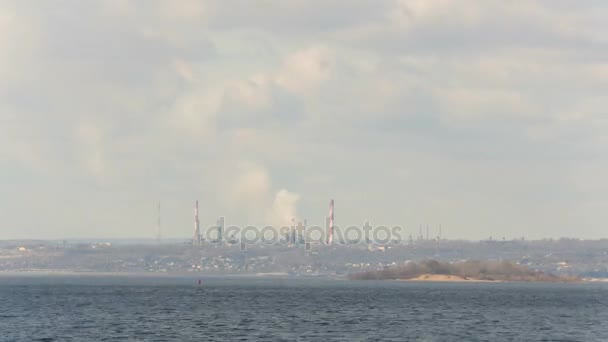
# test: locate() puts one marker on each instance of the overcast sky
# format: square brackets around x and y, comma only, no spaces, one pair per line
[488,117]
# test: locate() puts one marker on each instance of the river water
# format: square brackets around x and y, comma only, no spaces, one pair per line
[124,308]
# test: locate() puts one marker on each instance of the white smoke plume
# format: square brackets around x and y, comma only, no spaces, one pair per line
[251,194]
[283,209]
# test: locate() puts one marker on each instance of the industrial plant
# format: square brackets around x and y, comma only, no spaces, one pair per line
[212,252]
[295,235]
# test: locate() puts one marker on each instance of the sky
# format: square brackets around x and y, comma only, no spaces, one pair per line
[487,117]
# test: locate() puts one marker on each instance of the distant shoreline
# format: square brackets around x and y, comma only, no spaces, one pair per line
[38,273]
[448,278]
[428,277]
[465,271]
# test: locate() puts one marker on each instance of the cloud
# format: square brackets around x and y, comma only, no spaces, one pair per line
[185,10]
[195,113]
[251,191]
[478,114]
[481,104]
[90,138]
[305,69]
[294,19]
[251,187]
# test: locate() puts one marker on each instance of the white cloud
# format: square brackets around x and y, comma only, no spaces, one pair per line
[306,69]
[335,99]
[184,10]
[251,187]
[407,13]
[195,113]
[184,70]
[90,142]
[250,190]
[467,104]
[252,94]
[19,40]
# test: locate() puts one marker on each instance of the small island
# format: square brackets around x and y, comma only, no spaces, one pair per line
[473,271]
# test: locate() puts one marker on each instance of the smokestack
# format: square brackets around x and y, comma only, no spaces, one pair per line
[330,235]
[197,229]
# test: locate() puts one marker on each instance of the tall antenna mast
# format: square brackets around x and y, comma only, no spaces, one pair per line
[197,229]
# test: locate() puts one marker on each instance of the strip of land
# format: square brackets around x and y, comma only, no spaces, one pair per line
[466,271]
[447,278]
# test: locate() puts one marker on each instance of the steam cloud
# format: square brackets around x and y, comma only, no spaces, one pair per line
[251,193]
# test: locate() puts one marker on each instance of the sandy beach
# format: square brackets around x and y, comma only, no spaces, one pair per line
[447,278]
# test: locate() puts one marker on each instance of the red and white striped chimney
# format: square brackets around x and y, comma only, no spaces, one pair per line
[330,235]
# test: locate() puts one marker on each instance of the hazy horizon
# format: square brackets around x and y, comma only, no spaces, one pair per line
[482,116]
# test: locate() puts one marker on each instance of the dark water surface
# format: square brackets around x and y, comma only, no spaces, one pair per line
[67,308]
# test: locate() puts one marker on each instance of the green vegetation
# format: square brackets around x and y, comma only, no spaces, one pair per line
[467,270]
